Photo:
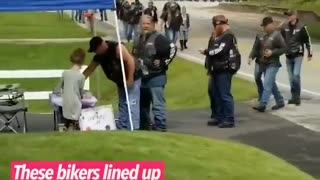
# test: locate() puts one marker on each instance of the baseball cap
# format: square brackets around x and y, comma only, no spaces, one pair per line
[291,12]
[266,21]
[94,43]
[219,19]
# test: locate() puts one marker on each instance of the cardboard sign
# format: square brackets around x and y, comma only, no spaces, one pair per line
[97,118]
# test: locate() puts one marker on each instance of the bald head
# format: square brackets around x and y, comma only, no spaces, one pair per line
[147,24]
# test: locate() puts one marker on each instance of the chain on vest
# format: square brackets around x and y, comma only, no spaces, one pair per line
[145,51]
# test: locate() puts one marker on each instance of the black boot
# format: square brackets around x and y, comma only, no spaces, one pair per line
[295,100]
[278,106]
[185,44]
[259,108]
[181,45]
[213,122]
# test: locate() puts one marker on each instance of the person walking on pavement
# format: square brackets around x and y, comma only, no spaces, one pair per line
[221,53]
[135,14]
[90,17]
[257,55]
[171,20]
[155,53]
[151,10]
[103,15]
[184,29]
[296,36]
[107,55]
[125,18]
[271,47]
[60,14]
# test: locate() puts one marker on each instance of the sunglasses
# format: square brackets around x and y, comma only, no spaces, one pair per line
[216,23]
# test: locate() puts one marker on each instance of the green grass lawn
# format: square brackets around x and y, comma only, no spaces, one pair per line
[39,25]
[187,83]
[186,157]
[186,89]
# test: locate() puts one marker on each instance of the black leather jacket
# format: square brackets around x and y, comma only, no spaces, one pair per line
[296,36]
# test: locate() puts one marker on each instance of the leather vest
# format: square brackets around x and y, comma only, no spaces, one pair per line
[292,36]
[145,51]
[266,42]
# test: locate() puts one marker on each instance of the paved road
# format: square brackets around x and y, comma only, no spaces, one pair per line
[271,133]
[245,26]
[268,132]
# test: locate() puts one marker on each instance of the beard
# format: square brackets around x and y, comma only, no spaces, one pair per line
[145,32]
[218,31]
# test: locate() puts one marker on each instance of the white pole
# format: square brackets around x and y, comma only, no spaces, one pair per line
[122,67]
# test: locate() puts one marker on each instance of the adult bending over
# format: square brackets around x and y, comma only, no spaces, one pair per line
[107,54]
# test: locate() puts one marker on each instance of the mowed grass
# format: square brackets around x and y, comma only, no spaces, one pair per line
[187,82]
[49,56]
[39,25]
[186,88]
[186,157]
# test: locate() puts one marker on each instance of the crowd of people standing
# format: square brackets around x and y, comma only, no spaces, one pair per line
[173,21]
[146,65]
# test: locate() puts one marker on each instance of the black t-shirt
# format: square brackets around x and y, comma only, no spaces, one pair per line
[111,64]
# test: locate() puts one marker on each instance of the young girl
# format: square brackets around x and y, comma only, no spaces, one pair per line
[72,90]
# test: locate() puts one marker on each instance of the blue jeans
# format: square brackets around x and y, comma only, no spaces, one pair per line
[294,70]
[154,97]
[224,104]
[257,77]
[103,14]
[125,29]
[132,29]
[211,98]
[270,86]
[171,35]
[79,16]
[134,98]
[73,12]
[258,72]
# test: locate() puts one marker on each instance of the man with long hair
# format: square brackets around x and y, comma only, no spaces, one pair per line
[155,53]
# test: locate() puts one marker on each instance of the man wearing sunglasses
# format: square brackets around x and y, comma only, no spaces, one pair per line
[218,54]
